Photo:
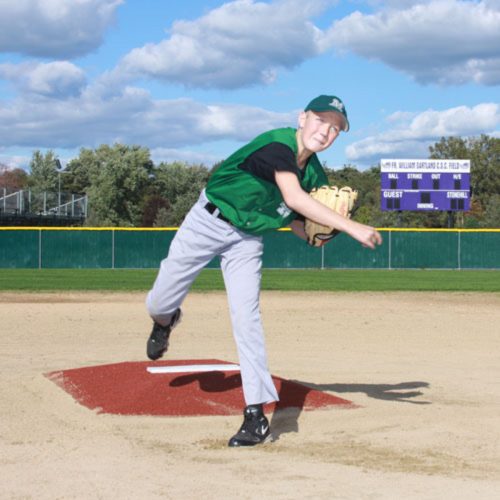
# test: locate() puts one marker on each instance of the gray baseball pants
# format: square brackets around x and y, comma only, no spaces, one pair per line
[201,237]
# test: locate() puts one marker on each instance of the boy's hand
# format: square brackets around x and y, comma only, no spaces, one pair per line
[368,236]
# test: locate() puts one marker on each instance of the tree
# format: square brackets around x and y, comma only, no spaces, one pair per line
[491,217]
[485,167]
[162,218]
[77,178]
[13,179]
[43,176]
[153,204]
[181,185]
[118,177]
[450,147]
[43,182]
[484,155]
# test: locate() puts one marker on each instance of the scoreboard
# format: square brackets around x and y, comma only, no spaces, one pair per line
[425,184]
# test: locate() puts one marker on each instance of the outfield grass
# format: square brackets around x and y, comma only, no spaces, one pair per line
[286,280]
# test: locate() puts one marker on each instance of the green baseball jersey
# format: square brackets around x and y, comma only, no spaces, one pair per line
[251,203]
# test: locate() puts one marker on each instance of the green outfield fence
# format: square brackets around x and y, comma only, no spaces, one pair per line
[124,248]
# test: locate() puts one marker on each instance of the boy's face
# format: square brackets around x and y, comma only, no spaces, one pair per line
[319,130]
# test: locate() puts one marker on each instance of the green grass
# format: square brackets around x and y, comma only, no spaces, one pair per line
[34,280]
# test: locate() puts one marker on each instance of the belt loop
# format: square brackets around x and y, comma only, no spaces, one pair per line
[214,210]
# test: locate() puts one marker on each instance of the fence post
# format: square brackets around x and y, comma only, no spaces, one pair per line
[39,249]
[390,249]
[459,250]
[112,249]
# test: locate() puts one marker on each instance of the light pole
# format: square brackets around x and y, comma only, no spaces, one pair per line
[59,169]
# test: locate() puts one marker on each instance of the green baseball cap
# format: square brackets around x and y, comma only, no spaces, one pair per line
[324,103]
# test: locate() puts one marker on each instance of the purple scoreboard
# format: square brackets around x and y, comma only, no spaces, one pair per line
[425,185]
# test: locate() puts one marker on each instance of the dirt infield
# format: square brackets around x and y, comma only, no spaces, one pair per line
[424,370]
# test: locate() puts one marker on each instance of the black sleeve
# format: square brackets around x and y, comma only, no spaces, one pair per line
[271,158]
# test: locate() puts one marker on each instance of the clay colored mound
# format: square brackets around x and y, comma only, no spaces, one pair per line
[130,389]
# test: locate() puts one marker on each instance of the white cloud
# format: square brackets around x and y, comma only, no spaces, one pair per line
[461,120]
[397,4]
[240,43]
[246,42]
[54,28]
[56,79]
[413,134]
[443,41]
[130,116]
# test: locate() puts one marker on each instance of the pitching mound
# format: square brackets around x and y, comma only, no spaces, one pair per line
[177,388]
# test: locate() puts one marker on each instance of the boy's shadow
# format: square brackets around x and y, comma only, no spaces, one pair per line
[389,392]
[215,381]
[293,394]
[286,418]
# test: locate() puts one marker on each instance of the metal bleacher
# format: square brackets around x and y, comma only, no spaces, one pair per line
[25,208]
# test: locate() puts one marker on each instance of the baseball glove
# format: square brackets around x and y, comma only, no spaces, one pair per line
[339,200]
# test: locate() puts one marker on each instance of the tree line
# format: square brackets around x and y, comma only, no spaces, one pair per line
[126,189]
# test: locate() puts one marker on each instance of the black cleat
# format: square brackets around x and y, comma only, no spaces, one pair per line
[254,430]
[158,340]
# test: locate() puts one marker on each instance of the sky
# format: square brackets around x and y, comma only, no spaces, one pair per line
[195,80]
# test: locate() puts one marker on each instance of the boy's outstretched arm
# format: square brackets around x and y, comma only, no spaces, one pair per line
[301,202]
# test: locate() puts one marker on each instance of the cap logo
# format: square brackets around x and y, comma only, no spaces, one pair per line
[337,104]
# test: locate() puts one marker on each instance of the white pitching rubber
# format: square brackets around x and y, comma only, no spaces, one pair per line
[193,368]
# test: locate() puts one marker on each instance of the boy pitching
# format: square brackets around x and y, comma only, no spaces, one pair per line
[263,186]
